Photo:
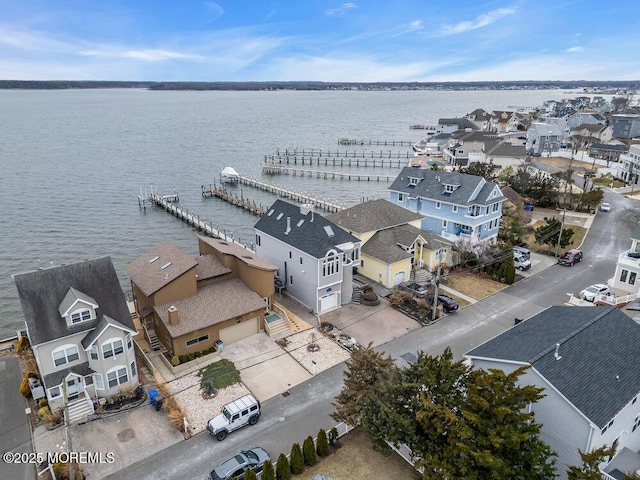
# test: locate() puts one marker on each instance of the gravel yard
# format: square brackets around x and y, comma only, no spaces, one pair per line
[314,351]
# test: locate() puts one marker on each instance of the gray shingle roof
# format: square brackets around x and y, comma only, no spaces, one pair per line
[41,292]
[599,366]
[56,378]
[211,305]
[372,216]
[71,297]
[386,245]
[505,149]
[310,236]
[462,123]
[432,186]
[103,322]
[159,267]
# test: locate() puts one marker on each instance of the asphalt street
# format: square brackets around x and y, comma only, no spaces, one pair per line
[290,419]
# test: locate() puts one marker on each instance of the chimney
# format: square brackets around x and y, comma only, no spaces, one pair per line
[557,353]
[286,232]
[173,315]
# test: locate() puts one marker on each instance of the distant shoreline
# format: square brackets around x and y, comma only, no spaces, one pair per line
[604,87]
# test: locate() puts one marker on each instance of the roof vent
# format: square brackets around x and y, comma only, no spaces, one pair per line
[154,259]
[286,232]
[166,265]
[557,354]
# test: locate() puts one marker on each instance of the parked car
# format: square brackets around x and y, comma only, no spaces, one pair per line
[605,207]
[448,304]
[571,257]
[520,262]
[414,288]
[236,465]
[236,414]
[589,293]
[522,251]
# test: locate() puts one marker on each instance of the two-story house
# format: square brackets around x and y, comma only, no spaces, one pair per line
[543,138]
[394,247]
[450,125]
[187,304]
[584,118]
[484,120]
[625,125]
[628,168]
[589,133]
[587,362]
[505,120]
[626,279]
[456,206]
[467,147]
[81,333]
[314,256]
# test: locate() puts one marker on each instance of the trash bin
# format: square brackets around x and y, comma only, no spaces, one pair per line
[219,346]
[153,396]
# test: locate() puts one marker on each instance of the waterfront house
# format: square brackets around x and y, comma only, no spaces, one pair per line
[586,360]
[81,333]
[543,138]
[459,207]
[505,120]
[628,168]
[187,304]
[467,147]
[450,125]
[394,247]
[584,118]
[484,120]
[314,257]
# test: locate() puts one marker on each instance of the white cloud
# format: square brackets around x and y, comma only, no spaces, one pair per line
[342,9]
[215,9]
[575,49]
[480,22]
[147,55]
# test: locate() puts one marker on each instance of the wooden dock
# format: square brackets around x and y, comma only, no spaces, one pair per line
[224,194]
[351,161]
[270,169]
[319,152]
[194,220]
[355,141]
[292,195]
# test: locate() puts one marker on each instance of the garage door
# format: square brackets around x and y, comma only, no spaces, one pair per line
[239,331]
[329,301]
[398,278]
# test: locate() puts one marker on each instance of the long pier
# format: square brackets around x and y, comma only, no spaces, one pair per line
[194,220]
[224,194]
[291,194]
[392,162]
[269,169]
[319,152]
[355,141]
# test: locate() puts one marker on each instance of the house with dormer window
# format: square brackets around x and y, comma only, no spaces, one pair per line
[314,256]
[456,206]
[81,333]
[586,361]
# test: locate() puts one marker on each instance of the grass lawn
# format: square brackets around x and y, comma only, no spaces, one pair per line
[577,239]
[472,285]
[223,373]
[357,460]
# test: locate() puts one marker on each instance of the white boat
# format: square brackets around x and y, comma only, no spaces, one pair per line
[229,175]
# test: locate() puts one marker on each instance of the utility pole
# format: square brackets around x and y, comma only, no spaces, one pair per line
[66,426]
[434,309]
[560,235]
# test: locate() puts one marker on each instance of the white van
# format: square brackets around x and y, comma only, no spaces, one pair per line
[520,262]
[522,251]
[236,414]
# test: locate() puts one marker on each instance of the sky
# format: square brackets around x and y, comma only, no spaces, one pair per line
[320,40]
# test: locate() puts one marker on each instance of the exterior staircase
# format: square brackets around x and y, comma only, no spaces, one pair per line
[154,343]
[423,276]
[79,410]
[278,327]
[356,296]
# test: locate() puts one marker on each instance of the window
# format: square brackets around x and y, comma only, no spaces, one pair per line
[300,260]
[133,369]
[65,354]
[362,263]
[193,341]
[111,349]
[290,255]
[623,275]
[330,266]
[97,380]
[290,279]
[54,392]
[632,278]
[606,427]
[454,209]
[444,224]
[117,377]
[128,341]
[93,353]
[81,316]
[449,188]
[636,423]
[401,197]
[413,181]
[495,207]
[258,240]
[438,204]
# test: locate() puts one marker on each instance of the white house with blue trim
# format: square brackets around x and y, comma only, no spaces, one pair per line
[456,206]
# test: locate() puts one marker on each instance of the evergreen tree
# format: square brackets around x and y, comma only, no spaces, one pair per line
[364,369]
[322,446]
[309,451]
[249,474]
[268,472]
[548,234]
[590,470]
[297,459]
[283,470]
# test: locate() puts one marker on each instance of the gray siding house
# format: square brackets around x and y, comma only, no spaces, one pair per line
[543,138]
[81,333]
[315,257]
[586,359]
[625,125]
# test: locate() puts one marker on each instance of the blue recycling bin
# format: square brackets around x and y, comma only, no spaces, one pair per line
[153,396]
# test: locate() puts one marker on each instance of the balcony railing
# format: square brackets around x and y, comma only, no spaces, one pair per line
[625,259]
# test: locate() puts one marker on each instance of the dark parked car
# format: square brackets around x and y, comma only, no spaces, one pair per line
[571,257]
[448,304]
[236,465]
[414,288]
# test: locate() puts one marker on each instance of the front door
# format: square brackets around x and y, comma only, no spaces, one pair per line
[74,387]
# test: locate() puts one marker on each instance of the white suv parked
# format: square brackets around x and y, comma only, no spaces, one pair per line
[236,414]
[589,293]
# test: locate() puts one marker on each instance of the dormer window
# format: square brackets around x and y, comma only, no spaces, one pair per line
[81,316]
[449,188]
[414,181]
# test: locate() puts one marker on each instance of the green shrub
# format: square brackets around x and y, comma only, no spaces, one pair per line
[297,459]
[510,274]
[283,470]
[43,403]
[333,436]
[268,472]
[43,411]
[322,447]
[175,361]
[183,359]
[309,451]
[249,474]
